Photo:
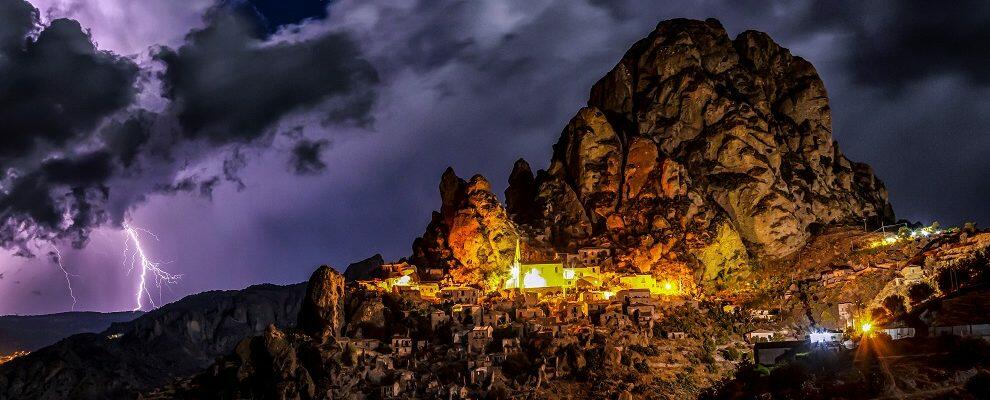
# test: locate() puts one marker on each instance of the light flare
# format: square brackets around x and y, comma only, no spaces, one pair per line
[139,259]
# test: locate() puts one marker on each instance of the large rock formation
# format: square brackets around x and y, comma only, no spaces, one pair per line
[696,148]
[322,313]
[472,236]
[364,269]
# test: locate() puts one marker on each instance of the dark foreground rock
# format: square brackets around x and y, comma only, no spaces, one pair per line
[364,269]
[174,341]
[293,363]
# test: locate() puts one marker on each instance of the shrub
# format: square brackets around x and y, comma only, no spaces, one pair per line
[644,350]
[730,354]
[895,305]
[879,314]
[920,292]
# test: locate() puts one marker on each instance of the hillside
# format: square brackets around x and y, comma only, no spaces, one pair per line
[32,332]
[175,340]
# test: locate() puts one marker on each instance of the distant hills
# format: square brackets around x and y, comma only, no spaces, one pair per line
[176,340]
[32,332]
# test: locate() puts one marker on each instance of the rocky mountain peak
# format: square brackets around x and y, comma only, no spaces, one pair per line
[521,193]
[695,148]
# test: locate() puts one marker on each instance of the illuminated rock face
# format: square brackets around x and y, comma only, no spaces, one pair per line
[693,132]
[695,152]
[472,235]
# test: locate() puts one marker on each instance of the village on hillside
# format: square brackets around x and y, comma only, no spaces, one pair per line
[539,309]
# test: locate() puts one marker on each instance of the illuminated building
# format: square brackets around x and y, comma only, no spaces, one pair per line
[550,275]
[825,337]
[645,281]
[460,294]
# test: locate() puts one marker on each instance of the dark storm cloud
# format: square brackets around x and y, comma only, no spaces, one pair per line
[127,138]
[56,87]
[17,19]
[225,86]
[45,107]
[75,157]
[307,156]
[894,43]
[59,200]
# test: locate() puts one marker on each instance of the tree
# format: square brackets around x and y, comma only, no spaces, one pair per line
[879,314]
[895,305]
[920,292]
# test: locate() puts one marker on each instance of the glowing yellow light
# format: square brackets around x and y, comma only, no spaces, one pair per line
[533,279]
[7,357]
[403,281]
[568,274]
[513,281]
[866,328]
[608,294]
[668,286]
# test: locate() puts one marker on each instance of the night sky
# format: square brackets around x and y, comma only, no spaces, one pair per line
[259,139]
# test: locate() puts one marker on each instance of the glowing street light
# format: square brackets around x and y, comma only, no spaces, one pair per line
[866,328]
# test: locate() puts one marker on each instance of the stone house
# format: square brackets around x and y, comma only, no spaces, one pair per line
[763,314]
[511,346]
[461,313]
[574,310]
[460,336]
[494,317]
[402,346]
[529,313]
[478,339]
[361,346]
[676,335]
[636,311]
[630,295]
[593,255]
[410,293]
[910,275]
[765,335]
[615,319]
[847,313]
[428,291]
[460,294]
[438,318]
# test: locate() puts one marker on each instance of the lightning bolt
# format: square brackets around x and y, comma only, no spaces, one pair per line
[57,258]
[146,266]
